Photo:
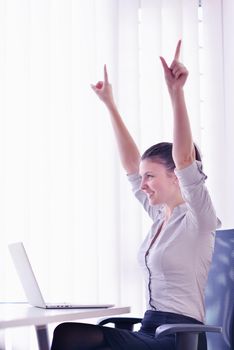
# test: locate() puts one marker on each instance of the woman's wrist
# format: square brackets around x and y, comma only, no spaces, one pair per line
[176,93]
[111,106]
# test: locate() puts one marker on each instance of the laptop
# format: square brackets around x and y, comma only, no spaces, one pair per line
[30,284]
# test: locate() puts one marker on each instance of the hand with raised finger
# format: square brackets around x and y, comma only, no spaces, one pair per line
[103,89]
[175,75]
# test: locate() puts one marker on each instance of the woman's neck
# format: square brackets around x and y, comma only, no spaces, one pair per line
[170,207]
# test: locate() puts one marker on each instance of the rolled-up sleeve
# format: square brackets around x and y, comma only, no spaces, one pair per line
[153,211]
[196,195]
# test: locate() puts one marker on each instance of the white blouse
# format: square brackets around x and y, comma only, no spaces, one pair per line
[176,265]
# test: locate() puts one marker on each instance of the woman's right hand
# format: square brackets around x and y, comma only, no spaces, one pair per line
[103,89]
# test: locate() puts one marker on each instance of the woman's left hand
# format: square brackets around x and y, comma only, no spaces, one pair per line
[175,75]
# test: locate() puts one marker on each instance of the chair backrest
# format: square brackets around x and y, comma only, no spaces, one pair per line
[220,292]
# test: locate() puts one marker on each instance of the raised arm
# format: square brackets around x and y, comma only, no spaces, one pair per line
[183,146]
[128,151]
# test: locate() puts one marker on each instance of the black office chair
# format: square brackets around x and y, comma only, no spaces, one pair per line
[219,304]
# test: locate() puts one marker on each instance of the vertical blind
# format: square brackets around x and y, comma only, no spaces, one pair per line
[218,104]
[62,190]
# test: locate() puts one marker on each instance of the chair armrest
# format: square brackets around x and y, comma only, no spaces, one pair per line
[121,322]
[187,328]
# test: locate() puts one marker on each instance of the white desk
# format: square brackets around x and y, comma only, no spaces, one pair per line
[19,315]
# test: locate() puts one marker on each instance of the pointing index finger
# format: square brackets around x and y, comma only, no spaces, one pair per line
[105,75]
[177,52]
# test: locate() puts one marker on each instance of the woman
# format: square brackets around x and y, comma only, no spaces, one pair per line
[176,254]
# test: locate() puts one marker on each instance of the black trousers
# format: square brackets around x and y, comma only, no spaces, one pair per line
[144,339]
[79,336]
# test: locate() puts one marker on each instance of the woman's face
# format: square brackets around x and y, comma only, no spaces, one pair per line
[160,185]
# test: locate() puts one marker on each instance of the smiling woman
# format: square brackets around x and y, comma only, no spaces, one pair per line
[175,267]
[56,147]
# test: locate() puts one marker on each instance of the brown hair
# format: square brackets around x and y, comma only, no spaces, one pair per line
[162,153]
